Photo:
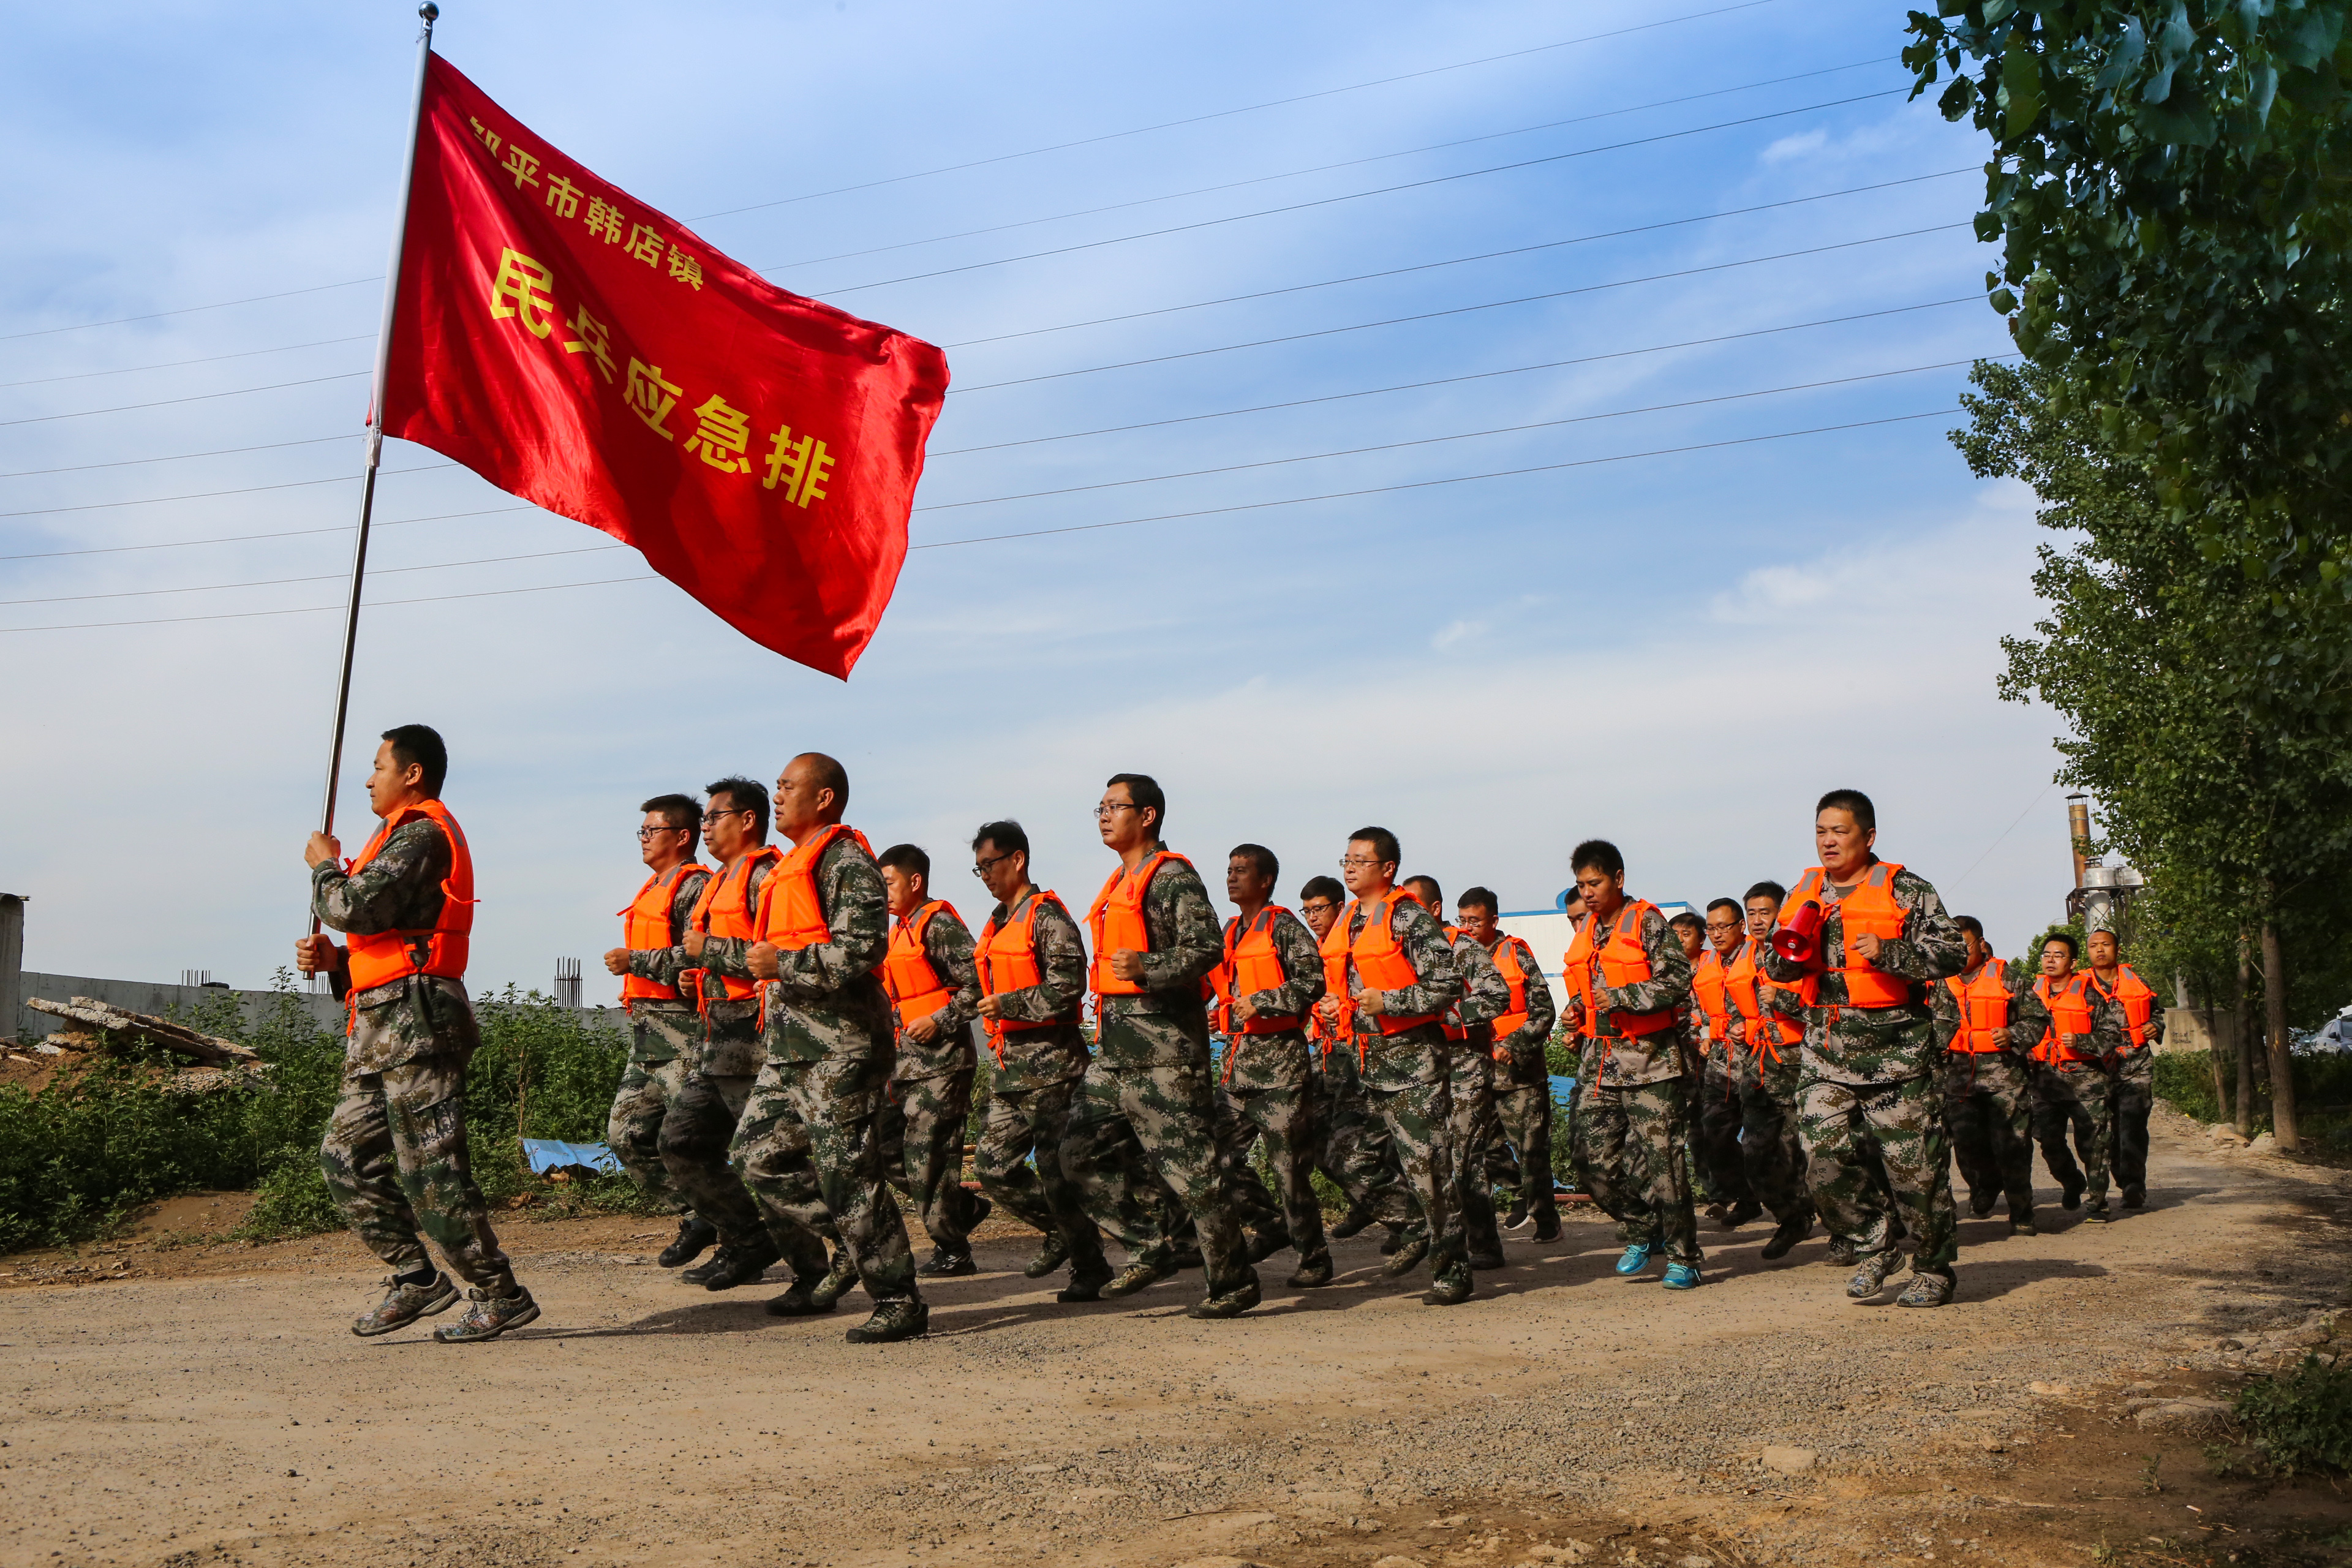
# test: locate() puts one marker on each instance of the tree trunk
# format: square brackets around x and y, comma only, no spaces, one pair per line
[2275,1011]
[2242,1020]
[2213,1048]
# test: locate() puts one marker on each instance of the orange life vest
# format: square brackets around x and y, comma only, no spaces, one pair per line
[1378,957]
[1505,954]
[790,914]
[908,973]
[382,957]
[1117,925]
[1623,962]
[1252,964]
[2139,1001]
[725,911]
[2070,1020]
[1768,1032]
[1709,983]
[644,925]
[1006,958]
[1984,1008]
[1868,905]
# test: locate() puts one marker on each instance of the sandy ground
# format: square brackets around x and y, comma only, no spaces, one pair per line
[183,1401]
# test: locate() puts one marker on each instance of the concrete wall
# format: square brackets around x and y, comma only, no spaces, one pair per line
[139,996]
[2184,1030]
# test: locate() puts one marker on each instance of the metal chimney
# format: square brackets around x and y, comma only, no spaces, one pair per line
[567,982]
[2078,830]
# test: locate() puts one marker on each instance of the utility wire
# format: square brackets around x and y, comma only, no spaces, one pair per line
[324,577]
[1350,196]
[176,364]
[190,309]
[181,457]
[250,538]
[214,495]
[198,397]
[320,609]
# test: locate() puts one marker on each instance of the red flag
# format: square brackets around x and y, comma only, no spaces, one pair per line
[579,349]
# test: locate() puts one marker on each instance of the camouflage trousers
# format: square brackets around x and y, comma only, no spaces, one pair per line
[1255,1205]
[1023,1123]
[1627,1144]
[807,1151]
[2076,1102]
[1288,1119]
[633,1128]
[1988,1113]
[1357,1153]
[1418,1114]
[1876,1159]
[2132,1097]
[1771,1153]
[1476,1130]
[696,1131]
[920,1126]
[1715,1132]
[396,1163]
[1170,1110]
[1520,1159]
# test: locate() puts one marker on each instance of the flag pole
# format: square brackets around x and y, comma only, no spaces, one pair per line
[429,13]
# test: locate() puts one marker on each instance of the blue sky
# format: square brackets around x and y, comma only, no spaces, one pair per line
[1676,651]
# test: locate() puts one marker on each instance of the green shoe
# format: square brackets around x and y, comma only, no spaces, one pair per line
[489,1317]
[404,1303]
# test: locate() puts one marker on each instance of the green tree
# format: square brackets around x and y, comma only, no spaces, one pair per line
[2167,666]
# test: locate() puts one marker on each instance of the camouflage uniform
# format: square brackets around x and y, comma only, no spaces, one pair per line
[2078,1096]
[698,1134]
[395,1155]
[828,1040]
[1523,1100]
[2132,1097]
[921,1122]
[1632,1103]
[1989,1101]
[664,1040]
[1872,1088]
[1152,1076]
[1035,1085]
[1357,1151]
[1408,1078]
[1771,1151]
[1715,1112]
[1270,1082]
[1485,996]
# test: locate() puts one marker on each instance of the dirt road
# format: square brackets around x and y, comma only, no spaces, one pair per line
[226,1415]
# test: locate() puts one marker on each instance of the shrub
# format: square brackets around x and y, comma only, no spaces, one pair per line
[2301,1421]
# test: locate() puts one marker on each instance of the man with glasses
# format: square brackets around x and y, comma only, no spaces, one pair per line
[661,993]
[700,1131]
[1156,942]
[1355,1150]
[1523,1076]
[1389,978]
[1031,964]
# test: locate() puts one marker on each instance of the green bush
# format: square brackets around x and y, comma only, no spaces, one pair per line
[2322,1090]
[2301,1421]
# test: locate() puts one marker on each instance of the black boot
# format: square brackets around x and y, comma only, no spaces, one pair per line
[694,1234]
[732,1266]
[1358,1217]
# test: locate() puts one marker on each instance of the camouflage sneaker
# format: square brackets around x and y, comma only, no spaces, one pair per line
[1406,1257]
[1450,1290]
[836,1282]
[404,1303]
[489,1317]
[796,1303]
[949,1263]
[1870,1278]
[1312,1273]
[1231,1304]
[695,1235]
[1136,1277]
[903,1319]
[1928,1289]
[1050,1256]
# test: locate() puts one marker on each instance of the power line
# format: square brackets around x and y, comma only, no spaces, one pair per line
[190,309]
[1326,168]
[1457,310]
[324,577]
[177,363]
[214,495]
[1464,260]
[1351,196]
[1451,380]
[1245,108]
[1463,436]
[250,538]
[198,397]
[181,457]
[319,609]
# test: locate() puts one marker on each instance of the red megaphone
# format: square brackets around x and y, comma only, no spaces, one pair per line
[1800,940]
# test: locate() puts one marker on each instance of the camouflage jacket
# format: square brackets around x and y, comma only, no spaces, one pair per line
[1414,1055]
[1844,1043]
[2155,1016]
[1526,1044]
[1485,994]
[416,1016]
[947,943]
[669,965]
[1168,1023]
[2110,1030]
[2028,1018]
[826,1000]
[1032,1058]
[1279,1060]
[730,1027]
[1620,1061]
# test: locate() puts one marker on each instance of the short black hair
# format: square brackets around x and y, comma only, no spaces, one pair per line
[2074,947]
[1006,835]
[1145,791]
[1384,843]
[1480,898]
[1323,888]
[743,794]
[1731,904]
[1259,855]
[1686,918]
[1970,925]
[1597,854]
[678,810]
[1772,891]
[1430,893]
[1865,816]
[907,858]
[420,746]
[830,774]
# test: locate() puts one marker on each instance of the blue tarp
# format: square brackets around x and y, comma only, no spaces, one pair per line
[1562,1087]
[547,1154]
